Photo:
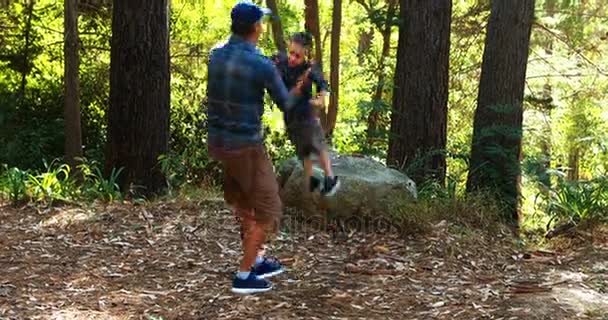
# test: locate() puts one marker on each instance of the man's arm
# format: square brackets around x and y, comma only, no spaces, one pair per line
[278,91]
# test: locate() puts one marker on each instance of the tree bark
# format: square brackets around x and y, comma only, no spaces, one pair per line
[546,144]
[374,115]
[497,128]
[26,50]
[277,26]
[573,160]
[365,44]
[73,137]
[419,118]
[334,77]
[311,24]
[138,119]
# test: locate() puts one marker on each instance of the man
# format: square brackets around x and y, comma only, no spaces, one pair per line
[238,76]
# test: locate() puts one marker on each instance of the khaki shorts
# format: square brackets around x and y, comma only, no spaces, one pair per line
[308,138]
[250,186]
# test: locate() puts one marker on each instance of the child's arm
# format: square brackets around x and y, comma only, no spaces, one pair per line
[322,87]
[319,80]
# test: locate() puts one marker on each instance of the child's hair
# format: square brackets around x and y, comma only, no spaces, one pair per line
[302,38]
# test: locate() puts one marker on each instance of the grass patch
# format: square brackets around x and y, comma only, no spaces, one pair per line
[473,211]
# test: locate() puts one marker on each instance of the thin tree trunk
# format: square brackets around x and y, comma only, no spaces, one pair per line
[334,77]
[26,49]
[550,7]
[138,119]
[419,118]
[374,115]
[365,44]
[573,160]
[311,24]
[497,128]
[73,138]
[277,26]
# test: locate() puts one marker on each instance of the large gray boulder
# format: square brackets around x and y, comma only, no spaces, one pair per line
[368,188]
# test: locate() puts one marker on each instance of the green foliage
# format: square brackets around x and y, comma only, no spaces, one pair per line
[576,201]
[59,183]
[437,203]
[13,183]
[432,190]
[51,185]
[95,186]
[32,130]
[175,170]
[278,146]
[565,110]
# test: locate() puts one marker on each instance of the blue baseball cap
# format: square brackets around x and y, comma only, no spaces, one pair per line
[248,13]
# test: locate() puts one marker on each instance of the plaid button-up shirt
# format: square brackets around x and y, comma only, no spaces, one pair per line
[238,77]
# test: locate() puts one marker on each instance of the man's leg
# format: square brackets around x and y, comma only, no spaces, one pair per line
[253,239]
[238,181]
[241,216]
[253,236]
[268,212]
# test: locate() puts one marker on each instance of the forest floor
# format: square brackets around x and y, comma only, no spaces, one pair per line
[175,261]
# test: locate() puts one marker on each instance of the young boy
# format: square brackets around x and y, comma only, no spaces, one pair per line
[303,124]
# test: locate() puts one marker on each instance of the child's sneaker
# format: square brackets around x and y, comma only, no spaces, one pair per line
[315,184]
[253,284]
[331,185]
[268,268]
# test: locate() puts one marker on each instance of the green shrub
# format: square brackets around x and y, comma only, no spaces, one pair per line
[97,187]
[576,201]
[53,184]
[13,184]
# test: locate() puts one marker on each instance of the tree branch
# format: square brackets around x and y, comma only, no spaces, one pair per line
[574,50]
[572,75]
[95,48]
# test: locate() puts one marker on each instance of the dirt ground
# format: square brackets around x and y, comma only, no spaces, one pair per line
[175,261]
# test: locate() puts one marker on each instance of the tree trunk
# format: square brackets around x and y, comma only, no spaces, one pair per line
[374,115]
[573,160]
[419,118]
[311,24]
[138,119]
[277,26]
[334,77]
[365,44]
[73,137]
[26,50]
[497,128]
[550,7]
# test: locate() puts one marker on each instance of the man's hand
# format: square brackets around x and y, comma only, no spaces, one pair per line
[302,81]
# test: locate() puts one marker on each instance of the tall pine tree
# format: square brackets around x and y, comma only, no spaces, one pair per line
[497,128]
[138,119]
[419,118]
